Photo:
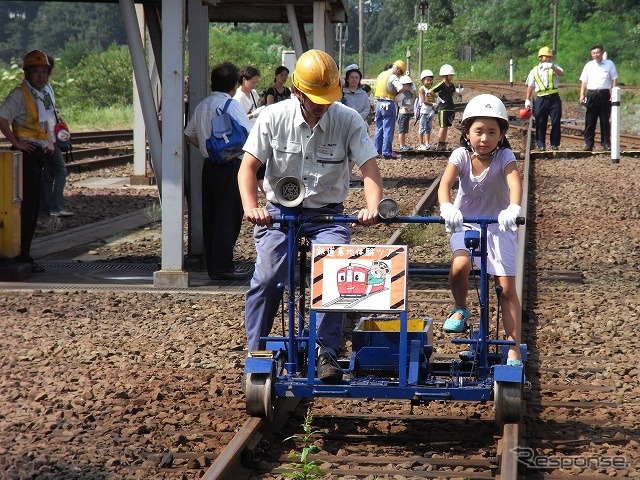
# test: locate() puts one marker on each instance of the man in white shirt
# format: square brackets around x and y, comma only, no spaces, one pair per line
[598,77]
[221,204]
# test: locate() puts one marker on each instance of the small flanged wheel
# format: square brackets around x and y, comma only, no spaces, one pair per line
[507,401]
[259,394]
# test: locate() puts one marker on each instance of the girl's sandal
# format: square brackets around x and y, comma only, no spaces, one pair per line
[456,325]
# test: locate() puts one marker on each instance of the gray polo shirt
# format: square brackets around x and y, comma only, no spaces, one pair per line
[319,156]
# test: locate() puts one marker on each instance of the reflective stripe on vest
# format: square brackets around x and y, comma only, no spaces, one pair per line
[381,86]
[32,127]
[542,90]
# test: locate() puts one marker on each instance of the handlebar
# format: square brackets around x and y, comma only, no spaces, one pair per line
[330,218]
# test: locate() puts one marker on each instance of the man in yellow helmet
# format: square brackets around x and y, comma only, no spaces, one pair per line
[23,121]
[543,79]
[313,137]
[388,85]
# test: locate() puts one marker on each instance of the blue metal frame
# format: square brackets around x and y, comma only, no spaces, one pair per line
[467,380]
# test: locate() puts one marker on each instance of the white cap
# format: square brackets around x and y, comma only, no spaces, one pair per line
[353,66]
[405,79]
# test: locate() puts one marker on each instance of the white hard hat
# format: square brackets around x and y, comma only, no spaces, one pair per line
[447,69]
[425,73]
[353,66]
[486,105]
[405,79]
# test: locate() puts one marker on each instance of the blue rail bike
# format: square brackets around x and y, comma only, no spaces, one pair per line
[392,353]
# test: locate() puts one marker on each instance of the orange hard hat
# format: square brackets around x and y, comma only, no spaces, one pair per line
[35,58]
[316,75]
[401,65]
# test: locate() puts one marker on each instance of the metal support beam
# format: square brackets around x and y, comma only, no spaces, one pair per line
[172,274]
[149,112]
[322,33]
[295,30]
[199,88]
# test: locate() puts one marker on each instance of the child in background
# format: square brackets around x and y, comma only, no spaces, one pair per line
[372,103]
[489,185]
[427,99]
[447,112]
[405,111]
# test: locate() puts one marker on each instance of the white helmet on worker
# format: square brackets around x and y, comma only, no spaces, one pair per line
[446,69]
[425,73]
[316,76]
[486,105]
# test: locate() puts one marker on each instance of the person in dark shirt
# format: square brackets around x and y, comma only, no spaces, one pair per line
[278,91]
[447,111]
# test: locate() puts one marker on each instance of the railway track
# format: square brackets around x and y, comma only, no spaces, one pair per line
[574,409]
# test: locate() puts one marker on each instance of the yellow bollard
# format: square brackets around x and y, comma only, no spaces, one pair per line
[10,200]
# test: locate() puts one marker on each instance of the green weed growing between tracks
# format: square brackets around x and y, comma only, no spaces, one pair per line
[306,469]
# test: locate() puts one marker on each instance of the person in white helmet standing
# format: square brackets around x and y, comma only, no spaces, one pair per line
[447,111]
[489,184]
[405,111]
[543,79]
[425,117]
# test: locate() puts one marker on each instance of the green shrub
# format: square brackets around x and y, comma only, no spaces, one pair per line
[100,80]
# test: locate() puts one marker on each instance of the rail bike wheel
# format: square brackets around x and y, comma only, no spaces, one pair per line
[507,402]
[259,395]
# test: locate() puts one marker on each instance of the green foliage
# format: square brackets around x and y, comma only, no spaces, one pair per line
[100,80]
[49,26]
[74,52]
[306,469]
[10,78]
[108,118]
[227,43]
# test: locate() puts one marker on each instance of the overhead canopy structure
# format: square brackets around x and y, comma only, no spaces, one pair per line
[177,169]
[265,11]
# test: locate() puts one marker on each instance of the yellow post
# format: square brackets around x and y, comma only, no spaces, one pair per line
[10,200]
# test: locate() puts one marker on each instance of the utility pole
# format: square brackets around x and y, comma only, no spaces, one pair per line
[361,35]
[555,27]
[423,6]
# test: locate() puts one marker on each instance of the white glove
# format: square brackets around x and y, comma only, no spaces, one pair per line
[527,103]
[546,65]
[507,218]
[452,218]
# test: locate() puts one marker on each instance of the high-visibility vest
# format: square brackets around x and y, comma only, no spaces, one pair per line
[381,86]
[542,90]
[32,127]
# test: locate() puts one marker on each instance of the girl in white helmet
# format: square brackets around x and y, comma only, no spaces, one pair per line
[425,118]
[489,185]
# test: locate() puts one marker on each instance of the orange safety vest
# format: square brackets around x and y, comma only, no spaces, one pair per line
[32,127]
[381,86]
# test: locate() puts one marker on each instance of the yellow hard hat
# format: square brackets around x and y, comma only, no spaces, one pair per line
[316,75]
[35,58]
[545,52]
[401,65]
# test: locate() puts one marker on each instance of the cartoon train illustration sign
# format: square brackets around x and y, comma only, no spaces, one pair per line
[364,278]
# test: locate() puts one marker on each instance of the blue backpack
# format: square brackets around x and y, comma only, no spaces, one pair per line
[227,137]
